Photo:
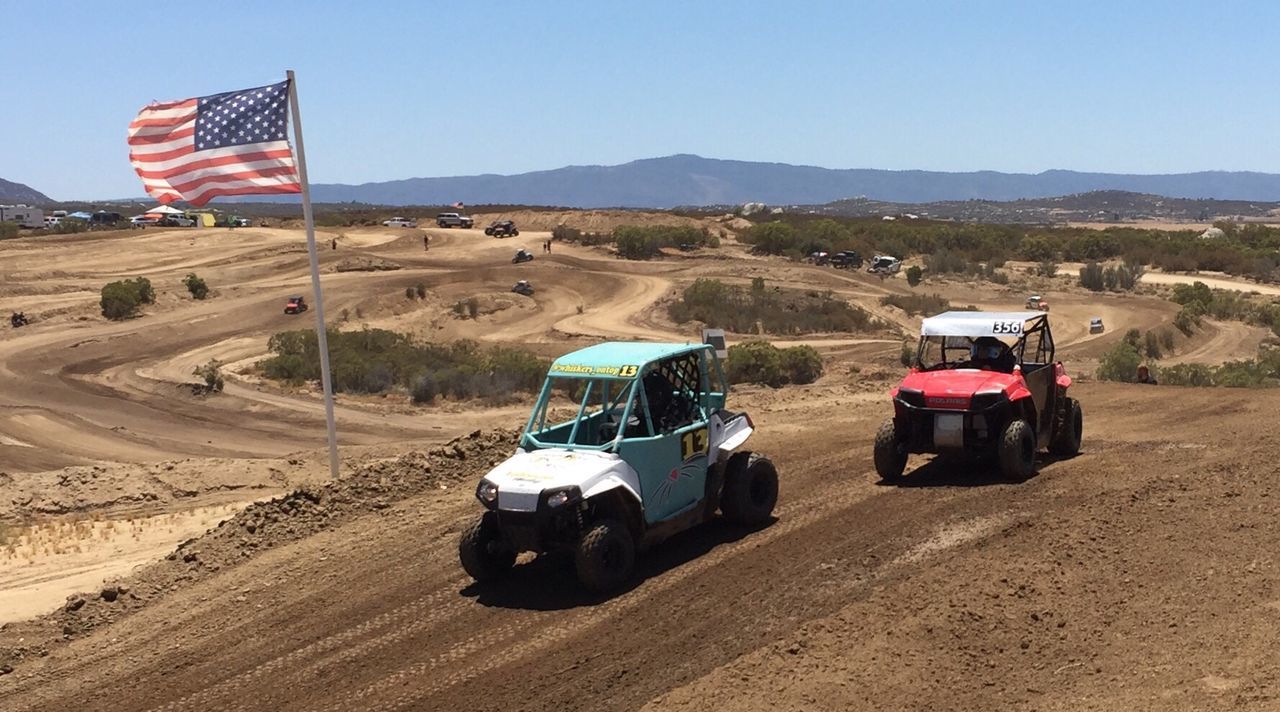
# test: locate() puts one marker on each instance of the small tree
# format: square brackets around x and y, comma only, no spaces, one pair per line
[1120,363]
[119,301]
[914,275]
[211,373]
[1091,277]
[196,286]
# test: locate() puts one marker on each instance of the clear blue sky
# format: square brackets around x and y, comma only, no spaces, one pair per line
[404,89]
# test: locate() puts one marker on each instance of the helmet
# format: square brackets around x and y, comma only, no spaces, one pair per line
[986,348]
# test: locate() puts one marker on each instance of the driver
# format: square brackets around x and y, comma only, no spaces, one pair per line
[991,354]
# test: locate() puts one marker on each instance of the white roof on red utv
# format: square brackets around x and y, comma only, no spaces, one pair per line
[975,324]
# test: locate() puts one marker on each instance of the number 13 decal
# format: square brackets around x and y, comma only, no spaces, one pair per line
[693,443]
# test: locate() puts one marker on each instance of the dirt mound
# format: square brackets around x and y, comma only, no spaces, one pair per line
[362,263]
[372,487]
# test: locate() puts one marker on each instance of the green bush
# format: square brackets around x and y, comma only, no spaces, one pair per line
[211,374]
[1047,268]
[8,230]
[1121,363]
[377,360]
[420,290]
[1091,277]
[1151,345]
[907,356]
[196,286]
[775,311]
[914,275]
[121,300]
[761,362]
[410,294]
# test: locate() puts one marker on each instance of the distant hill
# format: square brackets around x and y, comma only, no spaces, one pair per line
[11,192]
[687,180]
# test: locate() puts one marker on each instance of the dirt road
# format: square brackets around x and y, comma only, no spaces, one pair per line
[1134,576]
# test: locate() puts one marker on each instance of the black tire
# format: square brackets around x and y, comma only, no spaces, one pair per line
[890,456]
[483,553]
[515,233]
[1017,451]
[1066,442]
[750,491]
[606,556]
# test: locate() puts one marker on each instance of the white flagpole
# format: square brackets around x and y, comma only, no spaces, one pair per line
[309,219]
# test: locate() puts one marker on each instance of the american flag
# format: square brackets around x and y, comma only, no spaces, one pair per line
[459,205]
[227,144]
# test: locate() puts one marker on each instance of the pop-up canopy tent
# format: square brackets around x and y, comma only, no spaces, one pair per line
[163,210]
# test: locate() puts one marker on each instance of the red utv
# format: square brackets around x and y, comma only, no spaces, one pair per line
[295,305]
[984,383]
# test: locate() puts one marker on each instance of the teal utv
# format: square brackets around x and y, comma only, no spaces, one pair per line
[647,450]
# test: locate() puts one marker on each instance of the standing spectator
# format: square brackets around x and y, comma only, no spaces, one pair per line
[334,245]
[426,243]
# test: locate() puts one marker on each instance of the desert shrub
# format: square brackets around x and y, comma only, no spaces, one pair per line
[772,238]
[759,361]
[196,286]
[914,275]
[420,290]
[409,293]
[1091,277]
[468,308]
[120,300]
[1121,363]
[1166,339]
[907,356]
[8,230]
[642,243]
[1262,371]
[1037,249]
[1047,268]
[211,374]
[1186,374]
[68,226]
[1151,345]
[775,311]
[377,360]
[1187,320]
[914,304]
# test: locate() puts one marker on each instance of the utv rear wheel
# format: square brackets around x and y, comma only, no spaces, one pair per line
[484,555]
[606,556]
[750,492]
[1066,442]
[890,455]
[1017,451]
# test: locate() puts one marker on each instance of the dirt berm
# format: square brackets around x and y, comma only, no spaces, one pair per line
[372,487]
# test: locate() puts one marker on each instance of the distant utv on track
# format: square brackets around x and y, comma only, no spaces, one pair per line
[502,228]
[651,452]
[985,384]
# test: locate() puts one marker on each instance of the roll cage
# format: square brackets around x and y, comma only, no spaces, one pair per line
[659,398]
[1032,349]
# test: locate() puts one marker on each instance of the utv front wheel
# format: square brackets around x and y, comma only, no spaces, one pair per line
[1066,442]
[1017,452]
[890,456]
[484,555]
[606,556]
[750,492]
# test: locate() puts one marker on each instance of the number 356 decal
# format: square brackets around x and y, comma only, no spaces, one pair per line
[1007,327]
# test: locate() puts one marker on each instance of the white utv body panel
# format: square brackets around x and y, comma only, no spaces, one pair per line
[724,437]
[523,477]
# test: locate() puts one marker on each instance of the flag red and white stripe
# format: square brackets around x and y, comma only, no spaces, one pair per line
[164,153]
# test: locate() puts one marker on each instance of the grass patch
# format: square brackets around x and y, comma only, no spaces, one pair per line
[773,311]
[378,361]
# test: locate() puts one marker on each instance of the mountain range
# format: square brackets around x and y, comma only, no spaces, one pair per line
[11,192]
[688,180]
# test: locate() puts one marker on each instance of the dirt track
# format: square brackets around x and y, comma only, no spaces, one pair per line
[1139,575]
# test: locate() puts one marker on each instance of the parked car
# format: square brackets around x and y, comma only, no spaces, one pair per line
[982,384]
[296,305]
[139,221]
[652,451]
[453,220]
[400,222]
[1095,325]
[846,259]
[819,257]
[522,255]
[885,264]
[502,228]
[177,221]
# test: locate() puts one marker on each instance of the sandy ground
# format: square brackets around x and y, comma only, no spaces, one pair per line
[943,594]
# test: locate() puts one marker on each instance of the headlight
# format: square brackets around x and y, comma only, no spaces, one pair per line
[983,400]
[911,397]
[487,492]
[557,499]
